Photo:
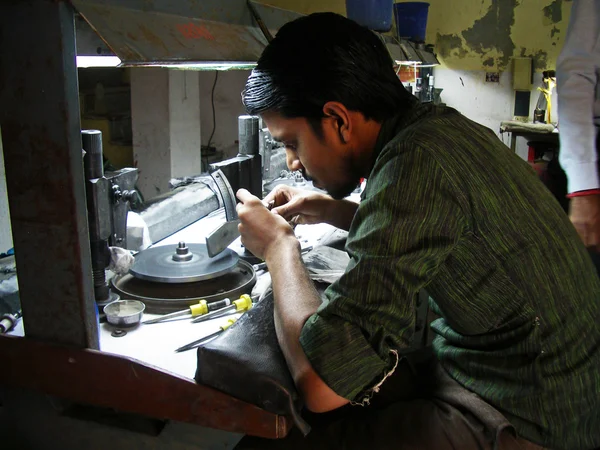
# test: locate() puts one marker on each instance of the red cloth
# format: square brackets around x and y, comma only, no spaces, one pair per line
[584,193]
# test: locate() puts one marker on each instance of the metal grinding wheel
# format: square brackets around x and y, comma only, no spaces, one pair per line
[182,264]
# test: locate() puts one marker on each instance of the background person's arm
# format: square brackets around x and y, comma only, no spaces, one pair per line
[577,79]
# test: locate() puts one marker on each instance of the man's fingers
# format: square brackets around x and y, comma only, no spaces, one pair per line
[244,196]
[286,211]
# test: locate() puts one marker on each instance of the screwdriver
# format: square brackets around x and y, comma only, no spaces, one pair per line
[201,341]
[199,309]
[244,303]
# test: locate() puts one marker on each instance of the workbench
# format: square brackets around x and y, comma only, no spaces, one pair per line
[541,132]
[145,358]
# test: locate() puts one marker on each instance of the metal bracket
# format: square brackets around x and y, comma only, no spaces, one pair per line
[259,21]
[226,194]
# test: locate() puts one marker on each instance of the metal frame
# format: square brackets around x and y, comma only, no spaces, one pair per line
[44,171]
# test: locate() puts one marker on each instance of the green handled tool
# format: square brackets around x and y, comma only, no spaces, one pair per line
[201,341]
[244,303]
[200,309]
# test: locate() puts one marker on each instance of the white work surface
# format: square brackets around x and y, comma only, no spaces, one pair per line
[155,344]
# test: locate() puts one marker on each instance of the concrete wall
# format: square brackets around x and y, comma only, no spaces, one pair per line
[228,106]
[6,241]
[165,109]
[184,121]
[150,121]
[484,102]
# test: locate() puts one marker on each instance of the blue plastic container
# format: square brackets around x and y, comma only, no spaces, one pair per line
[411,20]
[373,14]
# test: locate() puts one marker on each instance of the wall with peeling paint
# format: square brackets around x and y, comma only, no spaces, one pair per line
[481,35]
[472,37]
[487,34]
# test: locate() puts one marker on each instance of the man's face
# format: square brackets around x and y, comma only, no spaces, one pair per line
[327,161]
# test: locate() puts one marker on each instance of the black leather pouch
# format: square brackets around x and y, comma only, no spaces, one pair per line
[246,362]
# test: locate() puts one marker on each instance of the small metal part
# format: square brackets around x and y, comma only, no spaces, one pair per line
[8,321]
[227,194]
[294,221]
[260,266]
[182,253]
[118,333]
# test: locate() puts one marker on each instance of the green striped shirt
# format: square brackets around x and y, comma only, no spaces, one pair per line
[449,208]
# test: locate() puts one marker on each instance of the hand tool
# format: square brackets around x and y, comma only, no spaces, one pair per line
[8,321]
[244,303]
[199,309]
[201,341]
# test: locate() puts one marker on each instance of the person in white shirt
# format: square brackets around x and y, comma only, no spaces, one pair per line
[578,91]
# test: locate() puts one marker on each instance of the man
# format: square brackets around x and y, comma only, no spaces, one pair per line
[579,114]
[447,207]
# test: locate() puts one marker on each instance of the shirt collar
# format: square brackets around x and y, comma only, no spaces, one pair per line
[409,114]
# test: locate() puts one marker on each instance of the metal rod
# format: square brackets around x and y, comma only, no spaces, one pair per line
[93,164]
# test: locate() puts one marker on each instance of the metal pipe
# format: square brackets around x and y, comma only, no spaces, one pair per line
[248,135]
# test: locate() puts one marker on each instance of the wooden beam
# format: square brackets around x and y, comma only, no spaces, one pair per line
[103,379]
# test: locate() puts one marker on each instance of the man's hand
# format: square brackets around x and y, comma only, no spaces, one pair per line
[289,202]
[585,216]
[310,207]
[260,229]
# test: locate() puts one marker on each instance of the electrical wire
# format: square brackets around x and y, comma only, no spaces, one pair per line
[212,101]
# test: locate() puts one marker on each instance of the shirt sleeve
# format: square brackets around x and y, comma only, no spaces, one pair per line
[577,68]
[405,227]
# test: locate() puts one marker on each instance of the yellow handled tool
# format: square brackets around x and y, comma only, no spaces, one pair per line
[199,309]
[201,341]
[244,303]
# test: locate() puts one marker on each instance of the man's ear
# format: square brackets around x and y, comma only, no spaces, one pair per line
[341,119]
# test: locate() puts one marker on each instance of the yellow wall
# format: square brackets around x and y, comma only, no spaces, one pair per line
[480,34]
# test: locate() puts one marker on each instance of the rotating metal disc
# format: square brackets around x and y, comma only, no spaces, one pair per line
[182,263]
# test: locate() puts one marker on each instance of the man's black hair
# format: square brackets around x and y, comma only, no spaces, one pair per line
[325,57]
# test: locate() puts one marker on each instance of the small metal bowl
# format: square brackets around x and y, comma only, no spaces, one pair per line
[124,312]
